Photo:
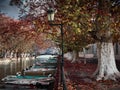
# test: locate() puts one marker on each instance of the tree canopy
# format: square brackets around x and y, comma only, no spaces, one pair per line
[87,19]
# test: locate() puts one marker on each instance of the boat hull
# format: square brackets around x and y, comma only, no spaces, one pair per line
[28,82]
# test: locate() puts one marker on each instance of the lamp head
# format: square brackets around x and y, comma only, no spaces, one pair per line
[50,14]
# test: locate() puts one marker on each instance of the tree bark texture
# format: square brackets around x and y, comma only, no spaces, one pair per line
[106,62]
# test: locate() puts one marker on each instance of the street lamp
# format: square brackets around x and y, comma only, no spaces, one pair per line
[51,14]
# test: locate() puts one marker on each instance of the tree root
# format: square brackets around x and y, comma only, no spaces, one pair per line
[113,77]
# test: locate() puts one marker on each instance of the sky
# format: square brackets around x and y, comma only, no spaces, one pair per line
[11,11]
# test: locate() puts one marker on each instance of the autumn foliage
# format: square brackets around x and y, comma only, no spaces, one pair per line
[19,36]
[79,77]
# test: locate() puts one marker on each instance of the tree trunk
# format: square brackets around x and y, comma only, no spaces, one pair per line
[84,54]
[106,62]
[75,56]
[11,55]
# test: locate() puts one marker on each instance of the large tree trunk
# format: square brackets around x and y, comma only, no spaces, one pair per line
[106,62]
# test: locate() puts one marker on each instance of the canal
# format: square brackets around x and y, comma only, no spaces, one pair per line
[10,67]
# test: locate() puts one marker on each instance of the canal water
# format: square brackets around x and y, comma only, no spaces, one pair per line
[8,67]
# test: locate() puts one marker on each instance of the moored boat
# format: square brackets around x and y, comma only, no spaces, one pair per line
[40,71]
[40,76]
[46,62]
[27,82]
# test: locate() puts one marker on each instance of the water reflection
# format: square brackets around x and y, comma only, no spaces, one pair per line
[11,67]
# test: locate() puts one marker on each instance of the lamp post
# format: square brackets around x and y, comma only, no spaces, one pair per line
[51,14]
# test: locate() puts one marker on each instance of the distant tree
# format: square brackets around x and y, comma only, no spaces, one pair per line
[4,29]
[15,35]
